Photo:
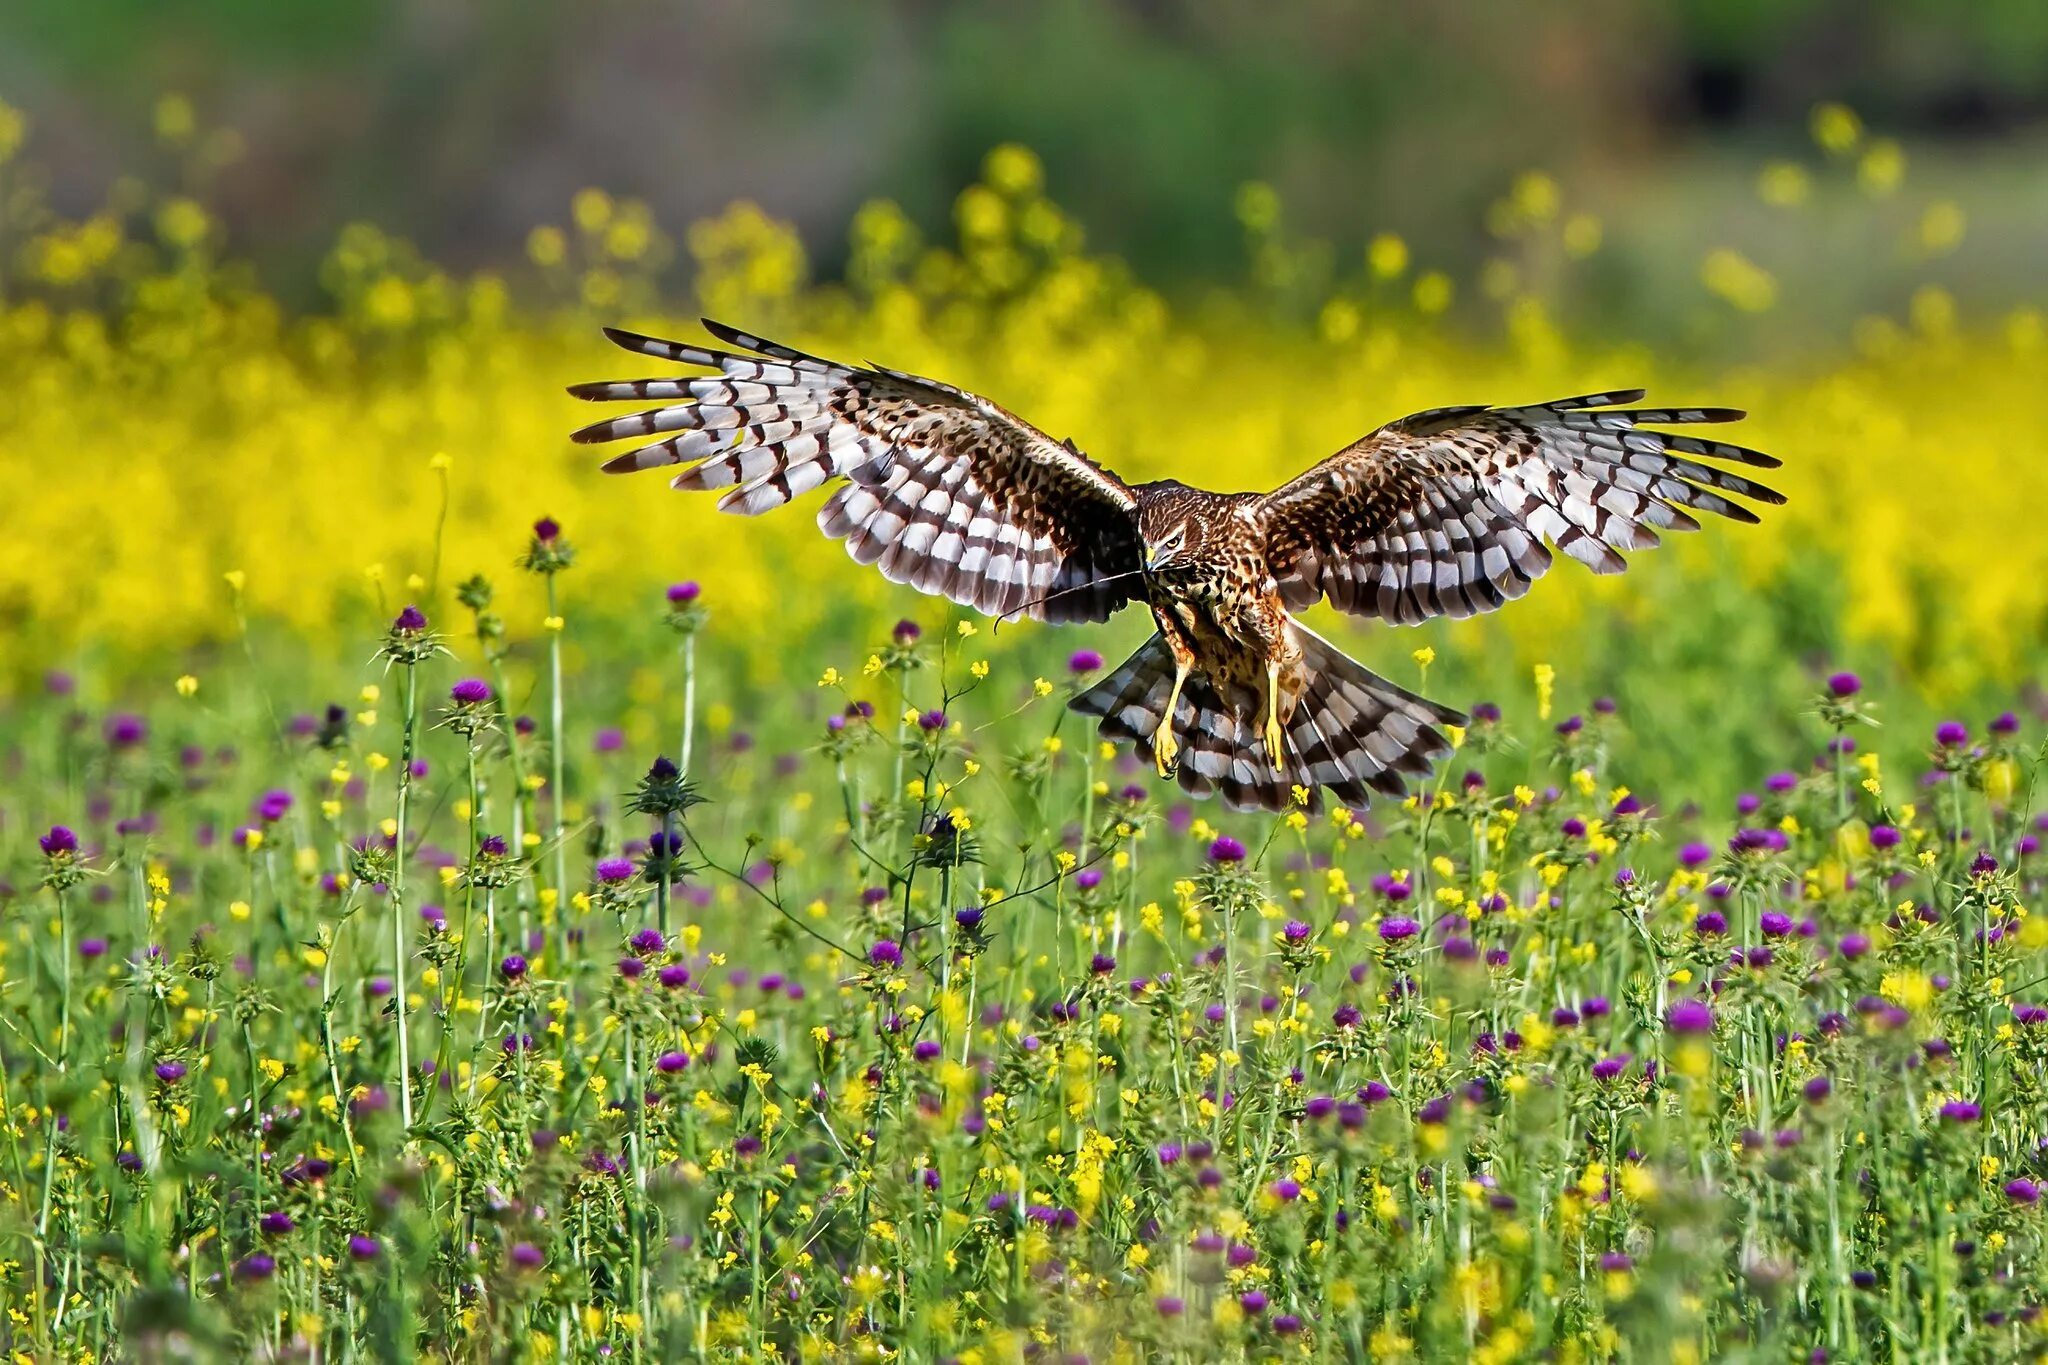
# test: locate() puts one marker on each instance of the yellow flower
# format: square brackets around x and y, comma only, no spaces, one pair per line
[1836,127]
[1387,256]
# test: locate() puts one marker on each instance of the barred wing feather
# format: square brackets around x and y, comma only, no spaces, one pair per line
[1446,513]
[944,490]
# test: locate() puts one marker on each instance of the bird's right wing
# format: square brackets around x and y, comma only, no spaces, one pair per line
[946,491]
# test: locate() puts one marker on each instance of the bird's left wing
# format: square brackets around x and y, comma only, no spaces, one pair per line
[946,491]
[1446,513]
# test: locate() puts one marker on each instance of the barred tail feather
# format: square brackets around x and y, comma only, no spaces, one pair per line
[1353,733]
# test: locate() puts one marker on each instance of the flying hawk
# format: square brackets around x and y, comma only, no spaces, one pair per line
[1445,513]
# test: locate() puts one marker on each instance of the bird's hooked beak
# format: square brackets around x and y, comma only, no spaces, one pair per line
[1155,555]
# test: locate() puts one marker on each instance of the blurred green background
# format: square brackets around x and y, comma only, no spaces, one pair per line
[461,123]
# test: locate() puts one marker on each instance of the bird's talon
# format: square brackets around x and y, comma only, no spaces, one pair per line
[1165,751]
[1273,750]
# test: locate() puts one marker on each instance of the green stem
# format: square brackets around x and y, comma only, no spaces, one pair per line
[398,988]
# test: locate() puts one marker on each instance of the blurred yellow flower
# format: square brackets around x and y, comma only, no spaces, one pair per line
[175,120]
[1732,276]
[1941,227]
[546,246]
[1014,169]
[1784,184]
[1387,256]
[1836,128]
[1882,167]
[1258,206]
[1433,292]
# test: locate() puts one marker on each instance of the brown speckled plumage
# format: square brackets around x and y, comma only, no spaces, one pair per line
[1445,513]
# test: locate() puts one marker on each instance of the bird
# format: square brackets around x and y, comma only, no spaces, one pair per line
[1449,512]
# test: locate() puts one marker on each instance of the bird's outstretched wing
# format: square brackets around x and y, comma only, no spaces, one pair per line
[946,491]
[1446,513]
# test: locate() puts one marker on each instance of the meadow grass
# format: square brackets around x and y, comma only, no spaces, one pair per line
[423,935]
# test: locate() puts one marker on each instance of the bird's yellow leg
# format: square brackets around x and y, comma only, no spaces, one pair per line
[1273,718]
[1166,749]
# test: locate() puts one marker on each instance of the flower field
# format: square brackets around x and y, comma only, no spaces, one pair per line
[457,906]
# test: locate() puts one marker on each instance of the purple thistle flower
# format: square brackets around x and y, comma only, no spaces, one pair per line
[525,1256]
[546,529]
[170,1072]
[1610,1068]
[1084,661]
[1884,837]
[2005,723]
[907,631]
[1346,1015]
[2023,1191]
[1842,686]
[1961,1111]
[1817,1089]
[1695,854]
[669,1063]
[682,594]
[1775,923]
[1253,1301]
[470,692]
[1296,931]
[885,953]
[1225,849]
[256,1266]
[648,942]
[513,967]
[1690,1018]
[60,842]
[932,720]
[612,871]
[125,730]
[1397,927]
[1951,734]
[364,1248]
[411,621]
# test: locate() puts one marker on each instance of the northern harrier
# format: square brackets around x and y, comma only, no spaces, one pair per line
[1444,513]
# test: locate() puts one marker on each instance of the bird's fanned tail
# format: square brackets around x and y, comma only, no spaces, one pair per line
[1353,732]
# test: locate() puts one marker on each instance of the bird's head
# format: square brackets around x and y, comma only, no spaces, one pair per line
[1171,535]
